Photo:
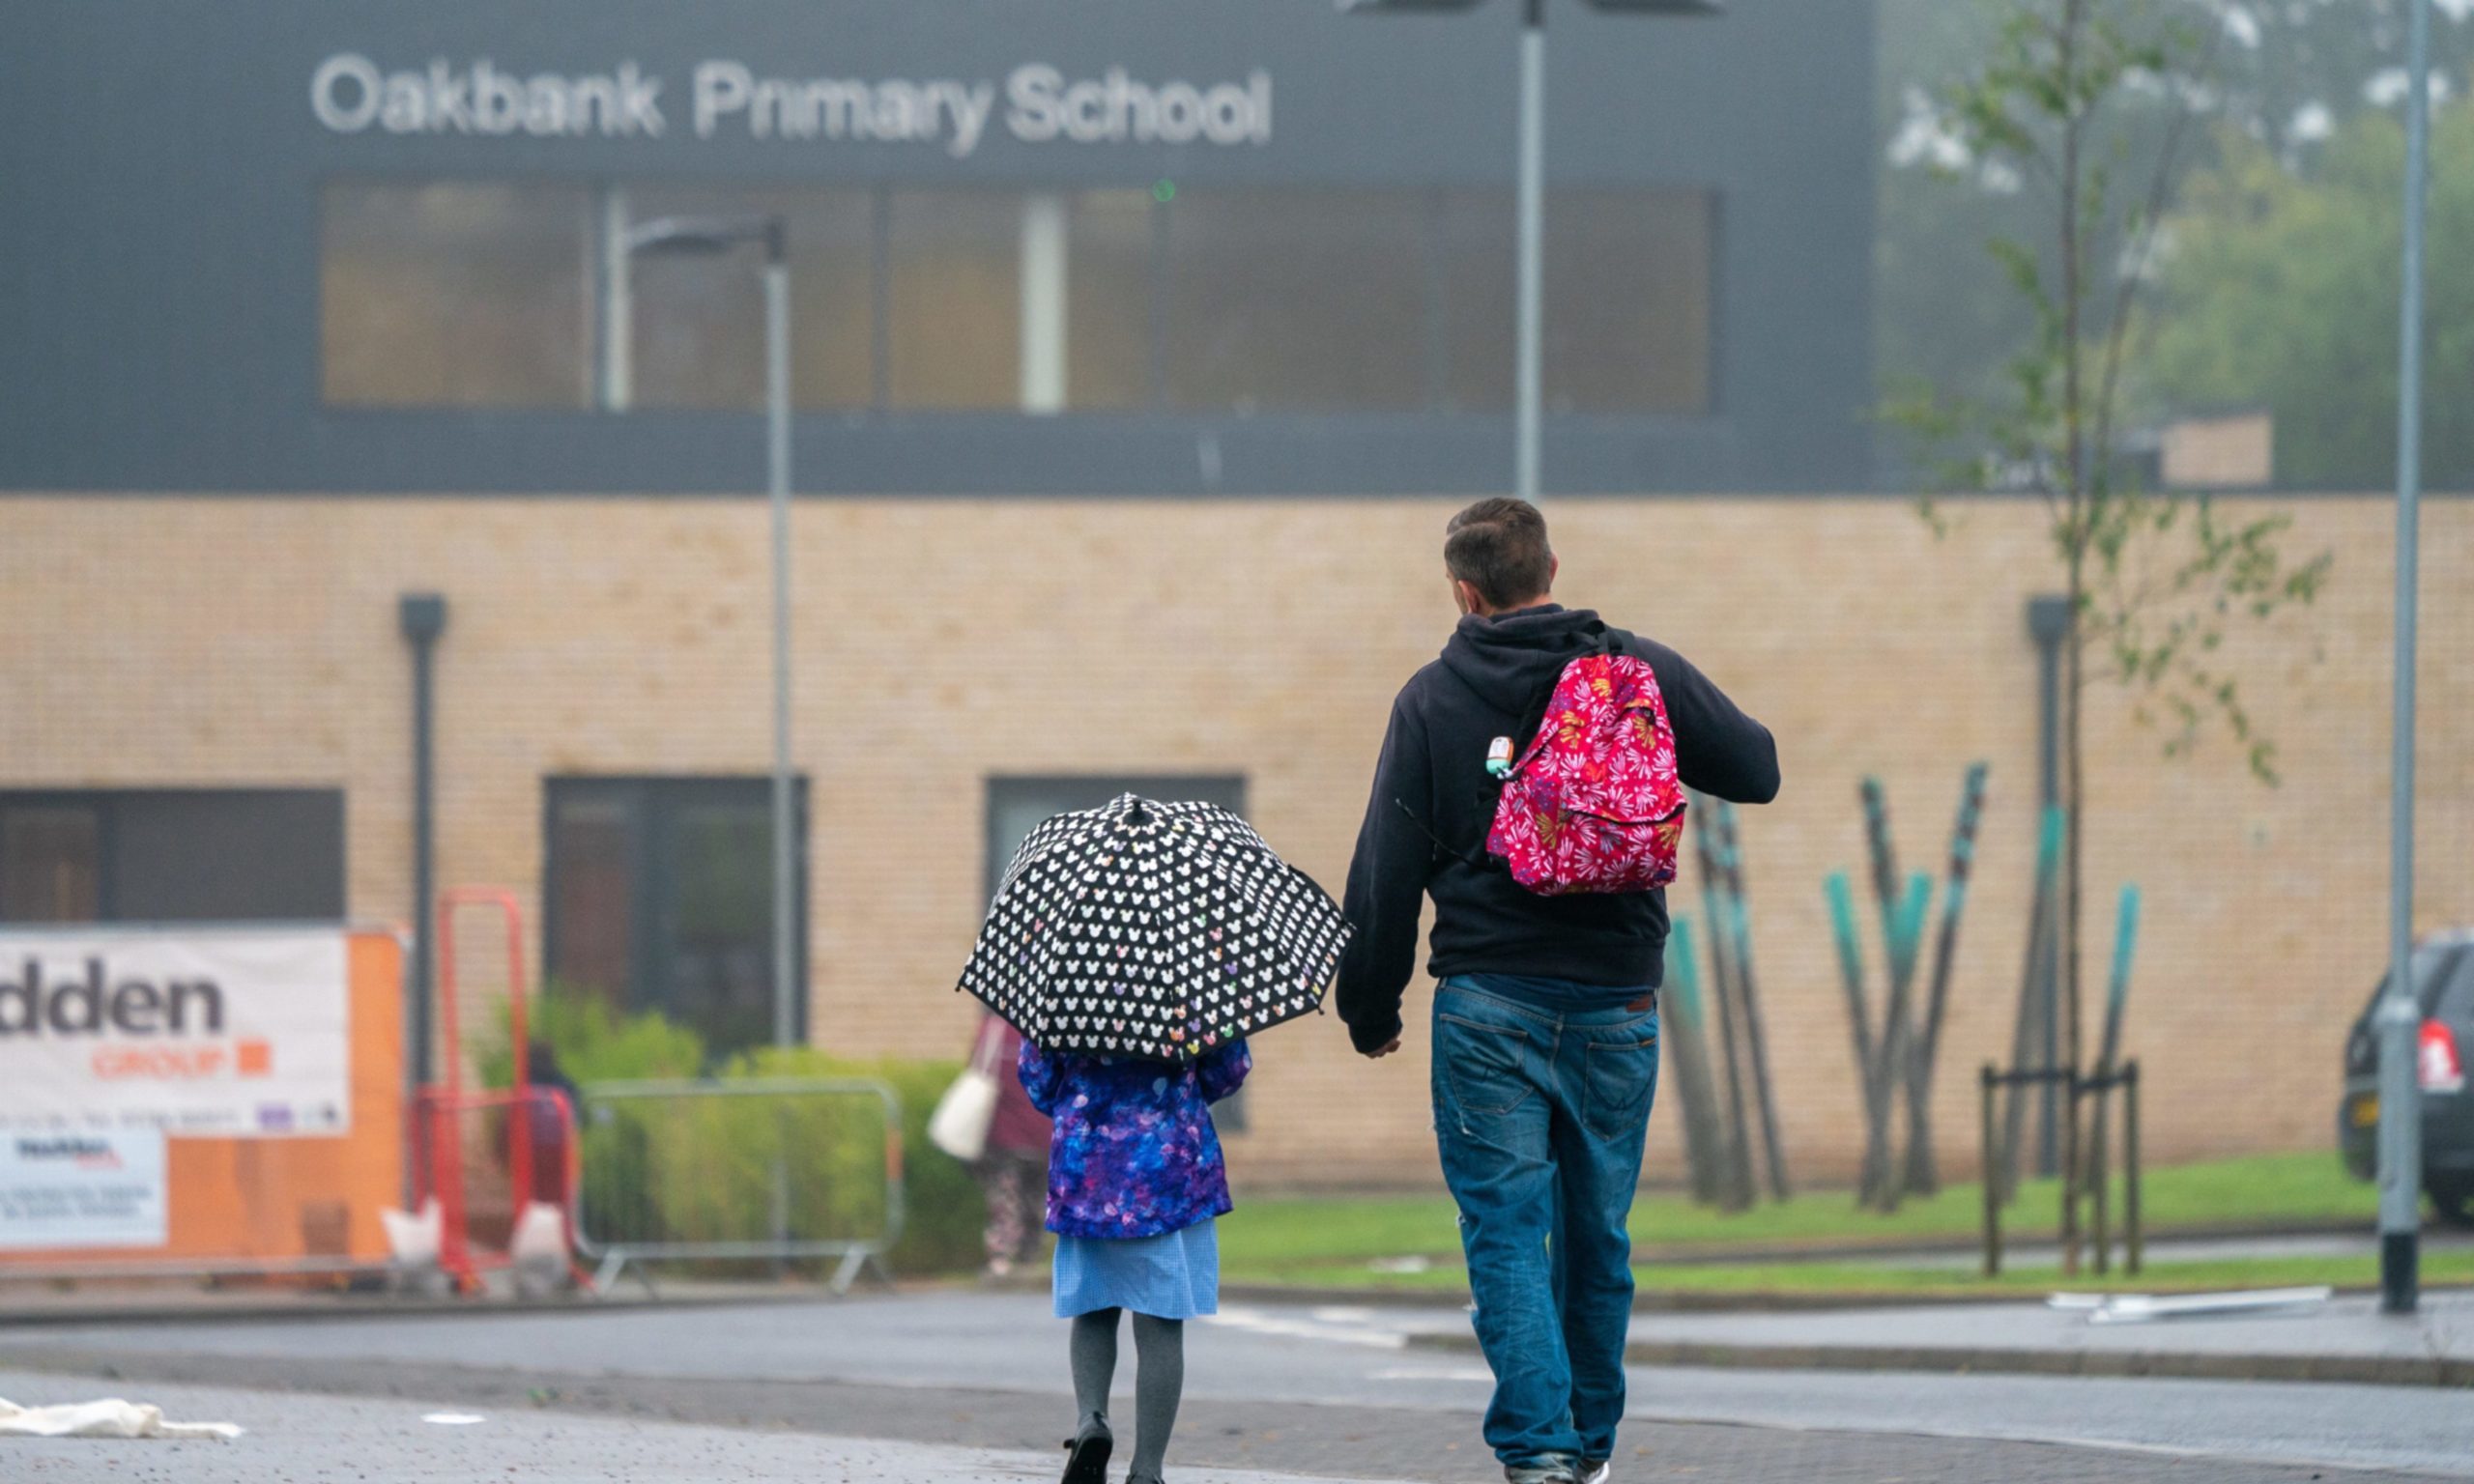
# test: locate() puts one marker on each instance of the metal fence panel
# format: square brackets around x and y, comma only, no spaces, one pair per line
[746,1170]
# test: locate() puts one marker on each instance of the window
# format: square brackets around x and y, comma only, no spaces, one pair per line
[51,862]
[1627,307]
[659,897]
[172,856]
[1017,805]
[954,297]
[2453,998]
[1296,301]
[1629,292]
[1477,300]
[1110,318]
[456,294]
[2438,969]
[1208,299]
[695,324]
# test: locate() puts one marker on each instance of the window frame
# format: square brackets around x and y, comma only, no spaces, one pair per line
[108,805]
[1167,787]
[647,878]
[587,398]
[1230,1113]
[1435,400]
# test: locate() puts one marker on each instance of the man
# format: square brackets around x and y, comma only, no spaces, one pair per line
[1545,1019]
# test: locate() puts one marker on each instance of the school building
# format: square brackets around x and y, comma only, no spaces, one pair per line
[1141,349]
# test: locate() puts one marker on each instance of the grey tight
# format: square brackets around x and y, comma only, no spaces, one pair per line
[1159,1382]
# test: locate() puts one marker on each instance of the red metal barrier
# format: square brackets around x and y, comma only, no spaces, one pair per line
[440,1110]
[443,1125]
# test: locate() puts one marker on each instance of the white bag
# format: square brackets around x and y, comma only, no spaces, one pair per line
[959,1124]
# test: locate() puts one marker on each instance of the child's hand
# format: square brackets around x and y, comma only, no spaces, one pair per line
[1384,1050]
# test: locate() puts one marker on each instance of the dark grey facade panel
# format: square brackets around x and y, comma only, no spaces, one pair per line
[158,245]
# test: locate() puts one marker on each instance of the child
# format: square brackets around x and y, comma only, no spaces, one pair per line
[1135,1182]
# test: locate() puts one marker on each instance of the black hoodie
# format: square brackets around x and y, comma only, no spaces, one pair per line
[1426,825]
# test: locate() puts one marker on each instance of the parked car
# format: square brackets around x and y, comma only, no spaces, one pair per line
[2443,971]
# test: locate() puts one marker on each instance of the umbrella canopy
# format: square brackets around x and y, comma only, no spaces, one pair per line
[1152,929]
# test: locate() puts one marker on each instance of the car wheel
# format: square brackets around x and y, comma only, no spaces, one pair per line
[2454,1200]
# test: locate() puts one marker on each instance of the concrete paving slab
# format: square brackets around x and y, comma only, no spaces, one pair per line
[305,1438]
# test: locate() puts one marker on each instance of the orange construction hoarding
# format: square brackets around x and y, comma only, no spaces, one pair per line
[255,1077]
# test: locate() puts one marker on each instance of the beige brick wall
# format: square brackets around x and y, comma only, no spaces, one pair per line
[230,641]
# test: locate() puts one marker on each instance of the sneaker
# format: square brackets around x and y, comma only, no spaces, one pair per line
[1596,1470]
[1546,1472]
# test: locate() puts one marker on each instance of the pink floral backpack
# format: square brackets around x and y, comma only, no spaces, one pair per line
[1594,805]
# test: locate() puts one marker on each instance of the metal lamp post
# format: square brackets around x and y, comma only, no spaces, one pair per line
[709,235]
[1529,368]
[2401,1010]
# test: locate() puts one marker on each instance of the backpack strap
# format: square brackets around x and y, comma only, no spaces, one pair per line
[1601,641]
[1442,849]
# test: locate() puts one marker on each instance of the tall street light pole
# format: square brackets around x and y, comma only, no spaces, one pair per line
[707,235]
[1529,374]
[2401,1010]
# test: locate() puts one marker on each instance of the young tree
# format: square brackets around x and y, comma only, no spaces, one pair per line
[2288,79]
[2154,580]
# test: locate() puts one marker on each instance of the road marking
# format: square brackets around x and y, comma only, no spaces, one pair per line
[1475,1373]
[1256,1322]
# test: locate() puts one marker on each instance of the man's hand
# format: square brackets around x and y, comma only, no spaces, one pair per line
[1384,1050]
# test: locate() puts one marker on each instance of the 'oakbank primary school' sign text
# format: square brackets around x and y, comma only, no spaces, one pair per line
[350,94]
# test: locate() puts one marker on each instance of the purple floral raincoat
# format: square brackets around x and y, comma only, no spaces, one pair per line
[1133,1152]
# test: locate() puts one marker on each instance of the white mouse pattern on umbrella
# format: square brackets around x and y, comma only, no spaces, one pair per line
[1154,930]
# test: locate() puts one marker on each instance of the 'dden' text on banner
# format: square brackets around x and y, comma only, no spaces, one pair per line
[222,1032]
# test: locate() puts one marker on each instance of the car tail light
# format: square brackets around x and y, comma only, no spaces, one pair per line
[2442,1070]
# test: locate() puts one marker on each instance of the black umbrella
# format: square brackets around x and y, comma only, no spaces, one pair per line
[1152,929]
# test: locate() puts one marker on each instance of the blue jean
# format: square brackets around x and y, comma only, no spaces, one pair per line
[1540,1116]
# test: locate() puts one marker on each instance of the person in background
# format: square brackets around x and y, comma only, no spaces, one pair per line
[1013,1169]
[551,1129]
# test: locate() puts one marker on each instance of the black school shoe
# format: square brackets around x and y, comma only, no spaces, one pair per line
[1086,1455]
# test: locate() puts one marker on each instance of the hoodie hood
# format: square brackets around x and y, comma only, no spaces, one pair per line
[1511,660]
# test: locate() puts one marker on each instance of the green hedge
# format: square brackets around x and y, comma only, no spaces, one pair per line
[705,1168]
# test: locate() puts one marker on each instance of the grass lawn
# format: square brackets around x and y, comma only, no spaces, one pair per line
[1338,1236]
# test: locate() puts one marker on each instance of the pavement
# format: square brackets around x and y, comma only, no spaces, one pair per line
[2347,1339]
[126,1302]
[294,1437]
[977,1381]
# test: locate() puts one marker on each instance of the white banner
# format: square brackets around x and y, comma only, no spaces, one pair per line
[208,1033]
[82,1190]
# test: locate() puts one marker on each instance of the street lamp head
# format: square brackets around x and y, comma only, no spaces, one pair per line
[702,236]
[422,616]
